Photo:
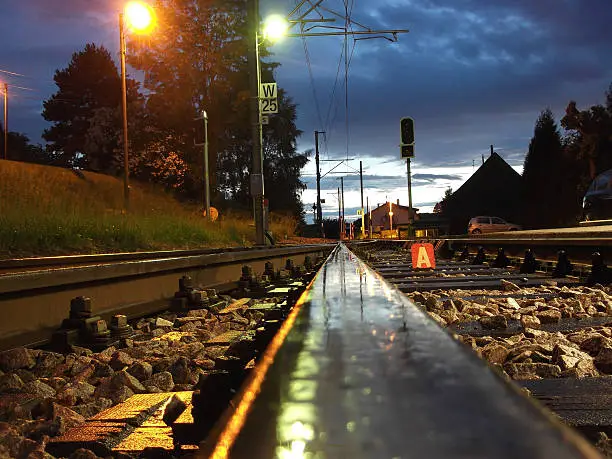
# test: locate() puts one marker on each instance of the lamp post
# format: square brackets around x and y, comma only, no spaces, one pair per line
[5,120]
[257,181]
[139,17]
[206,177]
[275,28]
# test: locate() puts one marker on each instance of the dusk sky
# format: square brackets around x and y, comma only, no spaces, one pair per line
[470,72]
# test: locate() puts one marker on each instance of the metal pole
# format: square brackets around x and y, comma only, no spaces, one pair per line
[409,195]
[5,120]
[369,233]
[362,213]
[257,181]
[126,164]
[369,218]
[206,176]
[342,188]
[339,215]
[319,210]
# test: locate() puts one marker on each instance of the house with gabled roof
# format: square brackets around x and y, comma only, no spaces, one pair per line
[494,189]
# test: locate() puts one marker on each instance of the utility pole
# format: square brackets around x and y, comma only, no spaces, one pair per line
[342,188]
[369,218]
[5,120]
[257,181]
[339,215]
[319,217]
[362,210]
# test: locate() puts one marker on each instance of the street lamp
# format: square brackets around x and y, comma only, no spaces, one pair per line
[275,27]
[272,31]
[139,18]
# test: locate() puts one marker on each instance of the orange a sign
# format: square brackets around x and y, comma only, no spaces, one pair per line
[423,256]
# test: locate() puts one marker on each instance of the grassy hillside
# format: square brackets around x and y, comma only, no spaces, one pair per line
[50,211]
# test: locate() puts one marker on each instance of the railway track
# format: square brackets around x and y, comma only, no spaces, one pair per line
[111,389]
[35,294]
[549,335]
[374,359]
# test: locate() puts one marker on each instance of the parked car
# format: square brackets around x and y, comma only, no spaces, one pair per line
[484,224]
[597,202]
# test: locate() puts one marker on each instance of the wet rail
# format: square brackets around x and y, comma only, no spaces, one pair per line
[359,370]
[526,323]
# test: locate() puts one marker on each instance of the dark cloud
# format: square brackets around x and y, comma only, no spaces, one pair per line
[67,10]
[471,73]
[434,177]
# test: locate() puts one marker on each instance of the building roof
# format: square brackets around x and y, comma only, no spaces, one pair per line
[491,172]
[386,204]
[494,189]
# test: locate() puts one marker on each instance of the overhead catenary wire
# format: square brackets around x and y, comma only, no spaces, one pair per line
[312,80]
[8,72]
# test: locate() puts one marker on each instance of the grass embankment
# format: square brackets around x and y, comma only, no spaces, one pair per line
[54,211]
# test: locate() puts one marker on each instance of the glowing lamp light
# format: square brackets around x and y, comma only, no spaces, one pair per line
[275,27]
[139,16]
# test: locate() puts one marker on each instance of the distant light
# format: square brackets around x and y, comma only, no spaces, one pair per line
[275,27]
[139,16]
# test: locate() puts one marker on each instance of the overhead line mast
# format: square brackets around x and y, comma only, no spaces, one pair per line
[361,31]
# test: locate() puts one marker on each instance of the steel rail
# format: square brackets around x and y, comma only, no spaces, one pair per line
[360,371]
[34,303]
[73,260]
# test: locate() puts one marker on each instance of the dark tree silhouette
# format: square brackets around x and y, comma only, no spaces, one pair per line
[592,134]
[440,207]
[542,179]
[85,111]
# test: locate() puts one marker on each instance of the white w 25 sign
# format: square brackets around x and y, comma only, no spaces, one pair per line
[268,98]
[268,106]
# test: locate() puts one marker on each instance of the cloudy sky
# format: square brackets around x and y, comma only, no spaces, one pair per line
[470,72]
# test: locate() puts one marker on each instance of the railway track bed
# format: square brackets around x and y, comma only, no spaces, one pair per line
[458,361]
[126,388]
[552,337]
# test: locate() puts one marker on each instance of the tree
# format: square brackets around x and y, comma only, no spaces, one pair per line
[543,181]
[592,129]
[85,111]
[440,207]
[282,164]
[21,149]
[198,61]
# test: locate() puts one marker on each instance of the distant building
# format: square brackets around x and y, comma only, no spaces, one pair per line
[401,216]
[430,225]
[494,189]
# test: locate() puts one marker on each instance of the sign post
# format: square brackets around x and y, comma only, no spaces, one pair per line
[407,151]
[201,139]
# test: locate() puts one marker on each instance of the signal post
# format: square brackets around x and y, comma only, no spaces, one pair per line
[407,151]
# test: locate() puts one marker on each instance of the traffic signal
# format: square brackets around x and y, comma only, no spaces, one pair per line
[407,131]
[407,151]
